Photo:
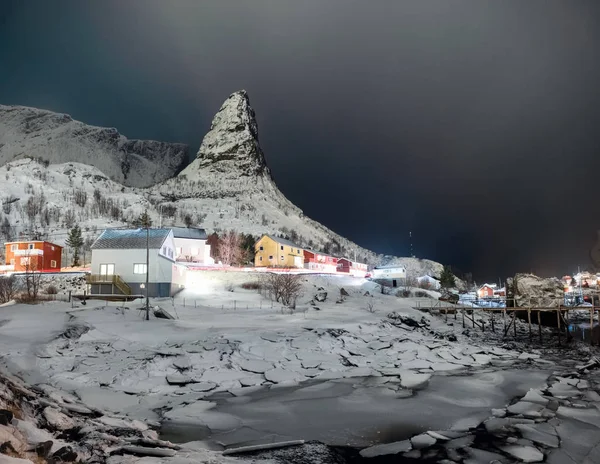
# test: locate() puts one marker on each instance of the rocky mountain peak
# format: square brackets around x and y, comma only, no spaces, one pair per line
[231,146]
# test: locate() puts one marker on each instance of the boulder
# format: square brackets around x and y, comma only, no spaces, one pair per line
[57,420]
[531,290]
[65,454]
[321,295]
[6,417]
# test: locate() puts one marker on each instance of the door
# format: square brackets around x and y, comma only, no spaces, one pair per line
[107,270]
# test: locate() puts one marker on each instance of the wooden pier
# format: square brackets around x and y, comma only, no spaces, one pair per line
[540,316]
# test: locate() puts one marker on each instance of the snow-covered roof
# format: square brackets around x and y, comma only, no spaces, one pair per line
[282,241]
[391,266]
[189,232]
[130,239]
[492,286]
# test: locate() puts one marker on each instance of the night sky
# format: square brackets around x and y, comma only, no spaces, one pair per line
[474,124]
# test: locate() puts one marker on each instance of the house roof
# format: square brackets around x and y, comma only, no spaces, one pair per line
[282,241]
[15,242]
[130,239]
[189,232]
[320,253]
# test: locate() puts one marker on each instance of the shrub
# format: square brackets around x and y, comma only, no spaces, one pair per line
[283,288]
[251,285]
[51,290]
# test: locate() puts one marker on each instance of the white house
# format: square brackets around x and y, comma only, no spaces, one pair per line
[388,272]
[190,245]
[119,263]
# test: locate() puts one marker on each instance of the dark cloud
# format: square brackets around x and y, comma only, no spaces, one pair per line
[472,124]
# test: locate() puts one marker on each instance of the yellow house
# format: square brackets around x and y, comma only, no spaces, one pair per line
[275,251]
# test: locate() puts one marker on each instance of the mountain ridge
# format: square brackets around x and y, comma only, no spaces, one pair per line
[58,138]
[227,186]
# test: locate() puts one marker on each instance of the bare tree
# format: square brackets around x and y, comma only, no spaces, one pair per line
[283,288]
[230,248]
[32,276]
[8,288]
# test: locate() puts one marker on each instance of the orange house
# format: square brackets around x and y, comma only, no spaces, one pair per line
[34,255]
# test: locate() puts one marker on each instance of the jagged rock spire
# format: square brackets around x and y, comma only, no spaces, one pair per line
[232,143]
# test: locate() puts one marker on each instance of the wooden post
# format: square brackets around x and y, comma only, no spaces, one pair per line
[463,317]
[515,323]
[540,325]
[493,328]
[446,310]
[529,322]
[504,319]
[473,317]
[234,304]
[558,323]
[69,296]
[591,323]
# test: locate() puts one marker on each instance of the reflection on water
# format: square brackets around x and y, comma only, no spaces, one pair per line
[583,331]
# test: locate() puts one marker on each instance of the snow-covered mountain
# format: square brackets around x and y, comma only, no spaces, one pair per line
[227,186]
[56,138]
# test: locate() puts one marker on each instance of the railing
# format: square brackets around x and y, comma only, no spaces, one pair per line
[110,279]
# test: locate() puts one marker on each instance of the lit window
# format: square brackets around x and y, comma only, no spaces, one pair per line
[139,268]
[14,247]
[52,263]
[31,246]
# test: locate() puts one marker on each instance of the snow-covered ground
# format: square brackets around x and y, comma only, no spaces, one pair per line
[230,367]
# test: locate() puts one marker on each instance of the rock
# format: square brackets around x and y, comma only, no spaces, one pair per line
[145,451]
[160,313]
[278,375]
[386,449]
[43,449]
[413,380]
[57,420]
[538,434]
[343,292]
[534,396]
[177,379]
[255,365]
[65,454]
[321,295]
[339,301]
[182,364]
[6,417]
[530,290]
[423,440]
[526,409]
[524,453]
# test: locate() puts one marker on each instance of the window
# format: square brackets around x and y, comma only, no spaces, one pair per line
[52,263]
[30,246]
[165,251]
[281,247]
[271,257]
[52,248]
[107,269]
[139,268]
[14,247]
[24,261]
[260,258]
[281,257]
[261,248]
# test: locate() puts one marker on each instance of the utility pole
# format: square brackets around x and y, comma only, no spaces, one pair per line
[147,269]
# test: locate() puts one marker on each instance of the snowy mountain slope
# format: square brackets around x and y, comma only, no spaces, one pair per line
[57,138]
[228,186]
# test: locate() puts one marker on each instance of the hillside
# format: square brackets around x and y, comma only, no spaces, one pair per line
[57,138]
[227,186]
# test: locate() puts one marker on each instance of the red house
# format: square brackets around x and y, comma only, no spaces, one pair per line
[486,291]
[319,261]
[33,255]
[352,267]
